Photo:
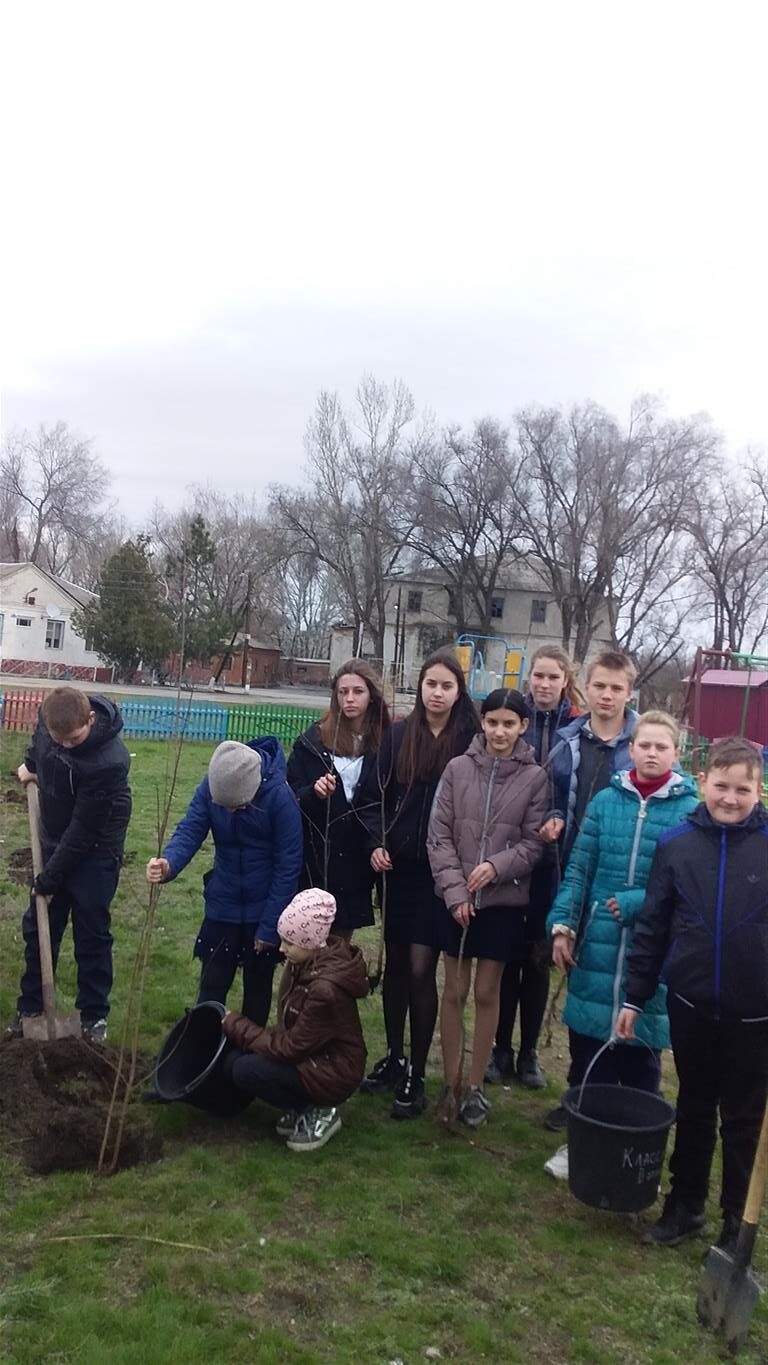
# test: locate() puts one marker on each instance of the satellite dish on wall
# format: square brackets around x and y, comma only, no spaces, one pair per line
[53,612]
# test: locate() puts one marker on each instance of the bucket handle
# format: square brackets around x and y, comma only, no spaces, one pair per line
[612,1041]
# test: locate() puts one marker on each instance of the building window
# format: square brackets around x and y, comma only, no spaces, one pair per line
[430,639]
[2,622]
[538,612]
[452,602]
[23,620]
[90,646]
[414,600]
[497,606]
[54,634]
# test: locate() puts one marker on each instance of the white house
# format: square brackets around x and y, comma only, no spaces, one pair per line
[420,617]
[37,639]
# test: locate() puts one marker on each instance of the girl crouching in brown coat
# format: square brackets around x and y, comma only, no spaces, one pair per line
[314,1057]
[483,845]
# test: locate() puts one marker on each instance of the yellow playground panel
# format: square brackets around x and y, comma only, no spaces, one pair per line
[488,662]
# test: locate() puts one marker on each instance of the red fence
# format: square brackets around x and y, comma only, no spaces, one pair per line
[18,710]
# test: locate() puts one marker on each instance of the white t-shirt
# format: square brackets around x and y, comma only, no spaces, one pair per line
[349,770]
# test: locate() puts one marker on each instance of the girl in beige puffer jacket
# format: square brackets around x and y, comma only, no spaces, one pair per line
[483,845]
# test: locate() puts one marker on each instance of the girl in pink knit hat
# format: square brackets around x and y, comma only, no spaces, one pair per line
[314,1057]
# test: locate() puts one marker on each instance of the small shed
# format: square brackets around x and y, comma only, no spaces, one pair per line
[723,695]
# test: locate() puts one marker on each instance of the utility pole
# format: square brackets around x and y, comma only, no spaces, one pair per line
[245,676]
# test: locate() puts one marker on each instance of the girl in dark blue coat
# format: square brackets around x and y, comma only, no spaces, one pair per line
[245,803]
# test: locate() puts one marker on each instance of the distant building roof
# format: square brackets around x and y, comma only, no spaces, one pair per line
[735,677]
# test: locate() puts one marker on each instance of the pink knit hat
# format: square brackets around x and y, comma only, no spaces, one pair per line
[306,921]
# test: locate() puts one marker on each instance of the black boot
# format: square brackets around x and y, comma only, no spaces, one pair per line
[729,1233]
[501,1067]
[678,1222]
[410,1097]
[386,1074]
[529,1073]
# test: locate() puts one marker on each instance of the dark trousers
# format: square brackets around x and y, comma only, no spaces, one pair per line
[86,894]
[219,968]
[276,1083]
[638,1067]
[721,1064]
[525,981]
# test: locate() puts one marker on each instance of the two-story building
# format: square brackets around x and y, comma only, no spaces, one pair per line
[421,616]
[37,638]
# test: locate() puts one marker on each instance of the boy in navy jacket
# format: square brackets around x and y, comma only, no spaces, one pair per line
[705,922]
[80,765]
[246,804]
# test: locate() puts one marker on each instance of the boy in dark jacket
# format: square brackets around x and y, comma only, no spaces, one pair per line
[705,922]
[81,768]
[314,1057]
[247,806]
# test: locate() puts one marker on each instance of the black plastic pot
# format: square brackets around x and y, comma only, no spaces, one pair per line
[192,1063]
[617,1139]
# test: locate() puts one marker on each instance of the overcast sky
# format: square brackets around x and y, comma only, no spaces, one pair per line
[213,211]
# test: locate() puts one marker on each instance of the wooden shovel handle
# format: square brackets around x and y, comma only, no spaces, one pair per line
[41,908]
[757,1180]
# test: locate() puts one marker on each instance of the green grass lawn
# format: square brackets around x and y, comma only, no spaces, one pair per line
[394,1239]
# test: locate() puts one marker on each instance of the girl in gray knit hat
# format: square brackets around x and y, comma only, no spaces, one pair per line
[246,805]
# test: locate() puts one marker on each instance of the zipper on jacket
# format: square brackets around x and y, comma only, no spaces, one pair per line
[486,818]
[719,917]
[636,842]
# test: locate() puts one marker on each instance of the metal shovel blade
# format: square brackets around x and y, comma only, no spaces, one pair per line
[35,1027]
[728,1294]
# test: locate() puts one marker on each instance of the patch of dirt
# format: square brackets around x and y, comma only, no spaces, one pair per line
[20,866]
[54,1099]
[15,797]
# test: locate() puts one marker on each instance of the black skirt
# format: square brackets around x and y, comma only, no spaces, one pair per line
[497,932]
[412,911]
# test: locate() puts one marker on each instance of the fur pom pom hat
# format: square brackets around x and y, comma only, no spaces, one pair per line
[306,921]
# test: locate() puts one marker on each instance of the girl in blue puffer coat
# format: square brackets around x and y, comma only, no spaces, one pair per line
[593,915]
[245,803]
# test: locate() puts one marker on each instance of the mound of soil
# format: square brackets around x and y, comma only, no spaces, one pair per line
[54,1099]
[15,797]
[20,866]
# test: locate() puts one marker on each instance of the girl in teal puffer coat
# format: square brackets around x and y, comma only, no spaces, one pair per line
[593,915]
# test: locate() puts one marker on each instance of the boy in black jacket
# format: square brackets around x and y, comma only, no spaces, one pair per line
[81,767]
[705,921]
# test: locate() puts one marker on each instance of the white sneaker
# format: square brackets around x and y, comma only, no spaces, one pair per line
[558,1164]
[313,1129]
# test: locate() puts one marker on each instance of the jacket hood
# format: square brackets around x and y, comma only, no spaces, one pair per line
[522,755]
[339,962]
[756,820]
[273,765]
[561,714]
[107,725]
[679,784]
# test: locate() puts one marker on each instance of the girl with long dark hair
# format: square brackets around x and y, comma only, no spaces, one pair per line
[396,809]
[329,768]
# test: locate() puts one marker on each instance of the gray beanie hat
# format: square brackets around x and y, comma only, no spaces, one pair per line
[234,774]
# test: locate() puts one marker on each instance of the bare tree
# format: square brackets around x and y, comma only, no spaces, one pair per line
[351,516]
[464,506]
[603,511]
[53,496]
[729,527]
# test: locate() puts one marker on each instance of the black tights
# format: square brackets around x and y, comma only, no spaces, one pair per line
[525,983]
[410,986]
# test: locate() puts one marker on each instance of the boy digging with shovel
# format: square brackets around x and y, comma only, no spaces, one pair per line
[81,768]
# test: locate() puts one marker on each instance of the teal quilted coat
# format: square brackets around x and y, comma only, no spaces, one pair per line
[612,856]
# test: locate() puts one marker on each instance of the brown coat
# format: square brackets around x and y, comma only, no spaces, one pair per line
[318,1029]
[488,810]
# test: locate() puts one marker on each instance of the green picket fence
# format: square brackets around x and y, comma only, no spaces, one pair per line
[286,722]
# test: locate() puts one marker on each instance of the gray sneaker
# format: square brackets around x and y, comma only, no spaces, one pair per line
[93,1030]
[475,1108]
[287,1122]
[313,1129]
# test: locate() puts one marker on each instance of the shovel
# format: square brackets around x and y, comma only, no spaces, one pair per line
[728,1290]
[49,1025]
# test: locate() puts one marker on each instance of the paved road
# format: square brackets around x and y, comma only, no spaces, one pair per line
[316,698]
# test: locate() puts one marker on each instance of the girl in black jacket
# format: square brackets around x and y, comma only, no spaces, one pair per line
[395,807]
[330,766]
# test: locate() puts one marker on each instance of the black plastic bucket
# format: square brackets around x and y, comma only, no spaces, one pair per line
[191,1065]
[617,1139]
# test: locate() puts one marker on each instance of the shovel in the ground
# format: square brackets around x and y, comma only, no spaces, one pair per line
[48,1025]
[729,1291]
